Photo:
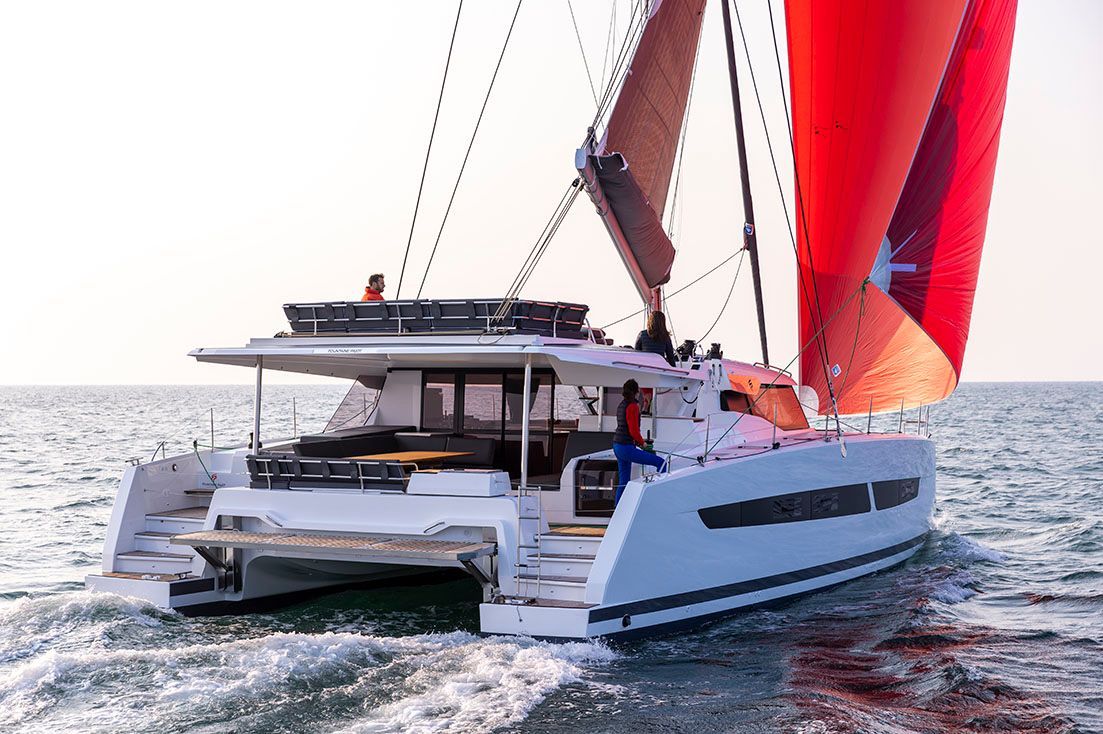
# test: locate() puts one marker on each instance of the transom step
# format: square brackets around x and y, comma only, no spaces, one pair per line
[155,556]
[188,513]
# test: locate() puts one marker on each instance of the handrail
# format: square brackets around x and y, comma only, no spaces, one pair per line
[676,370]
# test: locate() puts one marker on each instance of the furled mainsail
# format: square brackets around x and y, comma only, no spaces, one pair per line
[627,174]
[896,118]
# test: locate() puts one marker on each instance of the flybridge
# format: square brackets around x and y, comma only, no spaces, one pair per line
[455,316]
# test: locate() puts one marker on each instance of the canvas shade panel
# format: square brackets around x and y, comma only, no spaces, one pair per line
[863,78]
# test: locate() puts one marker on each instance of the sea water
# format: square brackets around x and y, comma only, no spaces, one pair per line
[995,625]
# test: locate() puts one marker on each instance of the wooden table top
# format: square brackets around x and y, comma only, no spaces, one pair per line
[413,456]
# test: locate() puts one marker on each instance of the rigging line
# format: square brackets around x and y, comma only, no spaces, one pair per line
[857,331]
[682,146]
[585,63]
[432,135]
[539,239]
[548,239]
[470,144]
[618,56]
[821,348]
[621,66]
[735,278]
[609,36]
[538,250]
[796,180]
[696,280]
[825,359]
[784,369]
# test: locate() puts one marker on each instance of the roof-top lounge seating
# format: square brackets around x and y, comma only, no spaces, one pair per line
[548,318]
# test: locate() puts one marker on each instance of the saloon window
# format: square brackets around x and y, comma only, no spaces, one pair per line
[482,403]
[772,400]
[358,405]
[438,402]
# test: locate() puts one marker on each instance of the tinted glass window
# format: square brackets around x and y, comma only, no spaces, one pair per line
[540,411]
[438,402]
[358,405]
[595,482]
[733,401]
[482,402]
[778,401]
[778,404]
[895,492]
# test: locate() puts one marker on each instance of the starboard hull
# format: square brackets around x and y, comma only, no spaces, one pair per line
[662,567]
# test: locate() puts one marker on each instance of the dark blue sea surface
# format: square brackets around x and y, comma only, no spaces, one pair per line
[995,625]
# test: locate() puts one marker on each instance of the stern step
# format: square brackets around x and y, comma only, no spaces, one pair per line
[176,521]
[151,562]
[553,588]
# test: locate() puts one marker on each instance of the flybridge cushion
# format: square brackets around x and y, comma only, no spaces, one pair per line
[548,318]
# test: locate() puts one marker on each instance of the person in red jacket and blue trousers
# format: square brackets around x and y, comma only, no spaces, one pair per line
[627,439]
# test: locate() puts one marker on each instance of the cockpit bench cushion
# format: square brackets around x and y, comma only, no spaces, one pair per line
[480,451]
[283,471]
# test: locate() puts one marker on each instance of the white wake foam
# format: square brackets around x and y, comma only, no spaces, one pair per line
[483,685]
[424,683]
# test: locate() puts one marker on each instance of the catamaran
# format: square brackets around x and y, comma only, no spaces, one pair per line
[475,437]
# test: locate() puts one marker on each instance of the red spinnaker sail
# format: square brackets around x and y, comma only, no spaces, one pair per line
[629,176]
[896,117]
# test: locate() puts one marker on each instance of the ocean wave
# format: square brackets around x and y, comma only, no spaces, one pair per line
[955,588]
[962,548]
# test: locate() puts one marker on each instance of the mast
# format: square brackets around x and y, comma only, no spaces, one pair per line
[750,241]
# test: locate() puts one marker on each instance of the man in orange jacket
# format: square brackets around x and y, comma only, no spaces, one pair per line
[374,291]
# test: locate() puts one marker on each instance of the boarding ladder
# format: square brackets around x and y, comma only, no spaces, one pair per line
[528,557]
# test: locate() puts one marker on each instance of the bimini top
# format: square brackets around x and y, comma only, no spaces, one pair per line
[453,316]
[355,340]
[577,362]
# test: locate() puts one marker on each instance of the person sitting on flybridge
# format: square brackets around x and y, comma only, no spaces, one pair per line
[627,439]
[655,338]
[374,291]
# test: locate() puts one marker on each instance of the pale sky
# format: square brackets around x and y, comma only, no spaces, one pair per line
[171,174]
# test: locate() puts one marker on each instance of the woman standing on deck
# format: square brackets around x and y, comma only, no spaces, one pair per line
[627,439]
[655,338]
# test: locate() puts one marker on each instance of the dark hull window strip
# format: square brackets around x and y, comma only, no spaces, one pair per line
[816,504]
[716,593]
[895,492]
